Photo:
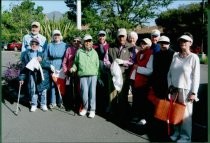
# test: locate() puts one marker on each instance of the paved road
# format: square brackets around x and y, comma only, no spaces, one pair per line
[62,126]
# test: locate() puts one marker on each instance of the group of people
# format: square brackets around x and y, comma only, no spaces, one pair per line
[87,67]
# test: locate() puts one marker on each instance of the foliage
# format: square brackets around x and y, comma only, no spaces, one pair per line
[64,25]
[110,15]
[187,18]
[16,21]
[12,71]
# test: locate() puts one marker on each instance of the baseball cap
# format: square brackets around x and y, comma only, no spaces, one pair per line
[101,32]
[164,39]
[35,23]
[78,38]
[34,40]
[121,31]
[155,32]
[56,32]
[147,41]
[87,37]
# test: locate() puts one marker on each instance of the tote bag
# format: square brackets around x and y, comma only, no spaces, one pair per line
[169,111]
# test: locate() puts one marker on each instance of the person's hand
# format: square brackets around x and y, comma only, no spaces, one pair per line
[39,58]
[119,61]
[191,97]
[100,82]
[52,68]
[21,82]
[72,70]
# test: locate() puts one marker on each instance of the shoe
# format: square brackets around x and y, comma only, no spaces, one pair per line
[83,112]
[135,120]
[142,122]
[91,114]
[61,106]
[44,108]
[33,108]
[51,106]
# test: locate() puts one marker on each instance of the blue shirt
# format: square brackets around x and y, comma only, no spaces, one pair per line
[55,53]
[155,48]
[27,39]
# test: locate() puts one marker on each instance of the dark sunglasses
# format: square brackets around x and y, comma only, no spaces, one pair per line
[101,35]
[76,41]
[56,34]
[165,43]
[88,40]
[34,44]
[183,40]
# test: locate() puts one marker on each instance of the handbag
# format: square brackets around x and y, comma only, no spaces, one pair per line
[170,111]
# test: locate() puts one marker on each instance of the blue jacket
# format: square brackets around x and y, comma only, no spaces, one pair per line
[25,73]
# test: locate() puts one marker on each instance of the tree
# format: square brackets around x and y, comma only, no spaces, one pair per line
[187,18]
[16,22]
[113,14]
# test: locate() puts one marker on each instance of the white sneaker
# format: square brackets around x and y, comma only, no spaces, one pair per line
[142,122]
[91,114]
[83,112]
[44,107]
[33,108]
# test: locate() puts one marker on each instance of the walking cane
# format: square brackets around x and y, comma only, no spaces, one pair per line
[17,107]
[59,92]
[73,92]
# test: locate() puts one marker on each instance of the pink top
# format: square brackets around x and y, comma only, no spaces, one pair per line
[69,58]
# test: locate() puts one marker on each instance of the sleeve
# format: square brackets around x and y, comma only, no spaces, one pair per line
[76,60]
[23,45]
[65,60]
[148,69]
[22,74]
[196,75]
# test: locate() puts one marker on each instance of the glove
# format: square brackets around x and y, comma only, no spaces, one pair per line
[52,68]
[72,70]
[119,61]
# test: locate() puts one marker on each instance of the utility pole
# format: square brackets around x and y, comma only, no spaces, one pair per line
[79,14]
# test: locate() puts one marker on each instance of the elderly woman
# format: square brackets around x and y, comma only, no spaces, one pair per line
[132,39]
[55,52]
[140,73]
[86,64]
[72,79]
[184,78]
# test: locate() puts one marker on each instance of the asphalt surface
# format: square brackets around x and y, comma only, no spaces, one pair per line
[62,126]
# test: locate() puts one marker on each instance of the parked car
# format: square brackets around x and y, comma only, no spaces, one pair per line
[14,46]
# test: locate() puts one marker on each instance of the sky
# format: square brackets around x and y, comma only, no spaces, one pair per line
[59,5]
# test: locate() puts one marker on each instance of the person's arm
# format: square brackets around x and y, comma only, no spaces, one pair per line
[65,61]
[148,69]
[23,44]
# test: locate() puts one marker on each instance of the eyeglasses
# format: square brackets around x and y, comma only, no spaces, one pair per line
[183,40]
[101,35]
[76,41]
[56,34]
[88,40]
[165,43]
[34,44]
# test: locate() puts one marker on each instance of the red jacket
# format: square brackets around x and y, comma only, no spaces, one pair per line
[140,79]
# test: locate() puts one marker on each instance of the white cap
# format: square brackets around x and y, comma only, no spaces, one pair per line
[186,37]
[56,32]
[87,37]
[164,39]
[35,23]
[101,32]
[155,32]
[147,41]
[122,31]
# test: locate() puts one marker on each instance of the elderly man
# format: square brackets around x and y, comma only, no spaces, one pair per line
[155,35]
[121,54]
[35,28]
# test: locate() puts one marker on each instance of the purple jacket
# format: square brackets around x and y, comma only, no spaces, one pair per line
[69,58]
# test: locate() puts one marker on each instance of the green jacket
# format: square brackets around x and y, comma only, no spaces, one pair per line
[86,62]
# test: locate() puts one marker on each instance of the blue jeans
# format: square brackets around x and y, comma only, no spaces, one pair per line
[34,95]
[54,94]
[88,92]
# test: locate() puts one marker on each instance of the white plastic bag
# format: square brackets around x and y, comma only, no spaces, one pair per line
[117,76]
